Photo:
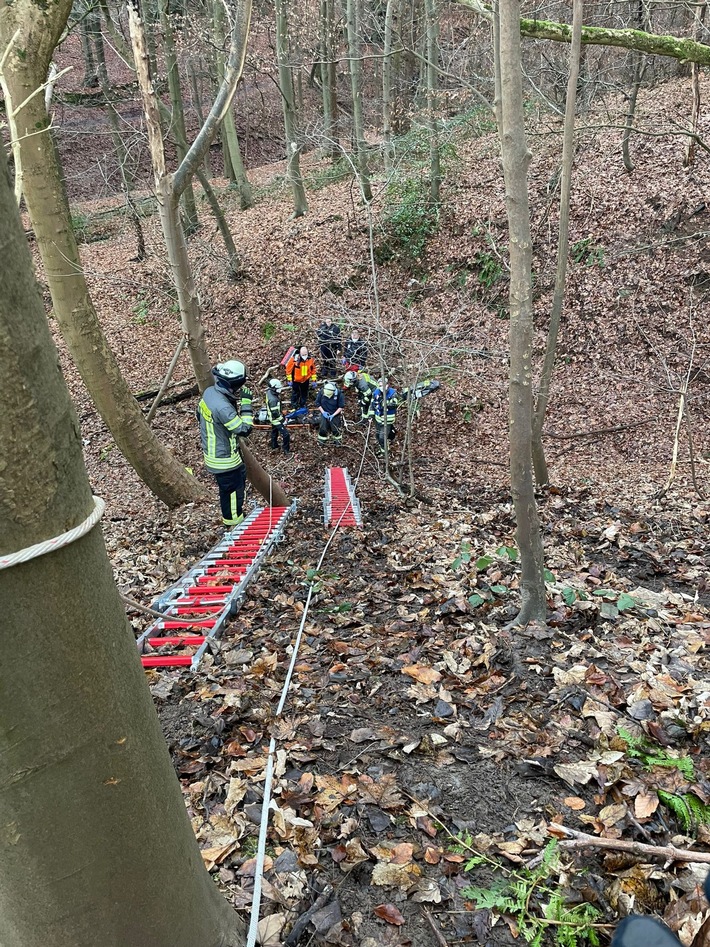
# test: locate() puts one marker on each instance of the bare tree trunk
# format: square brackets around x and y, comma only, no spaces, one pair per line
[516,159]
[355,56]
[177,118]
[328,77]
[229,128]
[432,75]
[293,149]
[49,212]
[639,67]
[86,29]
[195,86]
[692,146]
[81,747]
[222,224]
[170,187]
[387,87]
[543,394]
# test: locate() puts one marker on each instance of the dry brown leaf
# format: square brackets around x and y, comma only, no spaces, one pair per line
[574,802]
[422,673]
[389,913]
[645,804]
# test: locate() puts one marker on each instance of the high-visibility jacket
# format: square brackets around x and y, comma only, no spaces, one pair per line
[365,385]
[301,370]
[384,404]
[221,426]
[273,408]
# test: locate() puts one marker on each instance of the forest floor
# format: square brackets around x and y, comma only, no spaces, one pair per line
[427,749]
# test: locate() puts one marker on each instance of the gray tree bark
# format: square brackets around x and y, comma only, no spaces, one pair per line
[288,99]
[25,67]
[432,81]
[96,847]
[352,9]
[387,86]
[516,159]
[328,78]
[543,392]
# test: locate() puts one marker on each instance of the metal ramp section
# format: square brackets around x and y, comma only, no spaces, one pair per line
[340,505]
[196,607]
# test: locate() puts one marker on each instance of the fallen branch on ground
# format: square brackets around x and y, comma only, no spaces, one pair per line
[668,852]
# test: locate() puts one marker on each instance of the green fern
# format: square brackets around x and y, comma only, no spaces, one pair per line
[650,755]
[690,811]
[570,926]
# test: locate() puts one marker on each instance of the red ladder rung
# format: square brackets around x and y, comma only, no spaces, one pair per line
[191,640]
[165,660]
[173,625]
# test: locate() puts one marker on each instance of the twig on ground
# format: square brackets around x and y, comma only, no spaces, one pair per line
[302,923]
[440,939]
[669,852]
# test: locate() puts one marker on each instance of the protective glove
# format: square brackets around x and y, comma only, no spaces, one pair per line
[314,384]
[329,417]
[247,393]
[289,384]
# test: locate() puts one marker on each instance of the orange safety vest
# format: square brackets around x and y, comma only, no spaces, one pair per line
[304,371]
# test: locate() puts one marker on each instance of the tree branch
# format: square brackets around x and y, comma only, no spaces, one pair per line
[675,47]
[668,852]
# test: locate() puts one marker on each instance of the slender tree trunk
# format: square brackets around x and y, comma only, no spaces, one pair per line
[387,87]
[92,812]
[195,86]
[229,128]
[516,159]
[120,149]
[355,56]
[639,67]
[328,79]
[432,76]
[169,187]
[692,146]
[49,212]
[177,118]
[222,224]
[543,393]
[86,30]
[293,149]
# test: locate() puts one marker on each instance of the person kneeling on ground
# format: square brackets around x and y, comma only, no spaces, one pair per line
[364,385]
[225,414]
[330,401]
[276,417]
[383,408]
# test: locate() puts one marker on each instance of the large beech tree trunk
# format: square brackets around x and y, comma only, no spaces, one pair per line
[96,847]
[516,159]
[25,70]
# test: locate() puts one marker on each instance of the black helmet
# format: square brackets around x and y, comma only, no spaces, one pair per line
[229,376]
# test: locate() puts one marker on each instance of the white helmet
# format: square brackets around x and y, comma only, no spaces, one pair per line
[330,389]
[275,384]
[349,379]
[229,376]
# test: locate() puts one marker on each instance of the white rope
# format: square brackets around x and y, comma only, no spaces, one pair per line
[266,805]
[51,545]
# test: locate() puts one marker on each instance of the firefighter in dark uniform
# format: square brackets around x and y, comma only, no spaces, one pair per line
[225,414]
[330,402]
[276,416]
[383,408]
[329,340]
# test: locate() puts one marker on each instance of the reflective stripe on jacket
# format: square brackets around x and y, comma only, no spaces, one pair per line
[220,428]
[301,371]
[273,408]
[377,407]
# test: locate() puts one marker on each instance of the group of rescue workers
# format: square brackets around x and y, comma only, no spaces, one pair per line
[225,412]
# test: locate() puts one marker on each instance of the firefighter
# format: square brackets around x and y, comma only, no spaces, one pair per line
[364,385]
[224,415]
[383,408]
[329,340]
[276,417]
[300,371]
[330,401]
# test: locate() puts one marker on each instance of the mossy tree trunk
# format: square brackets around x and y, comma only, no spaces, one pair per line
[516,159]
[93,816]
[25,68]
